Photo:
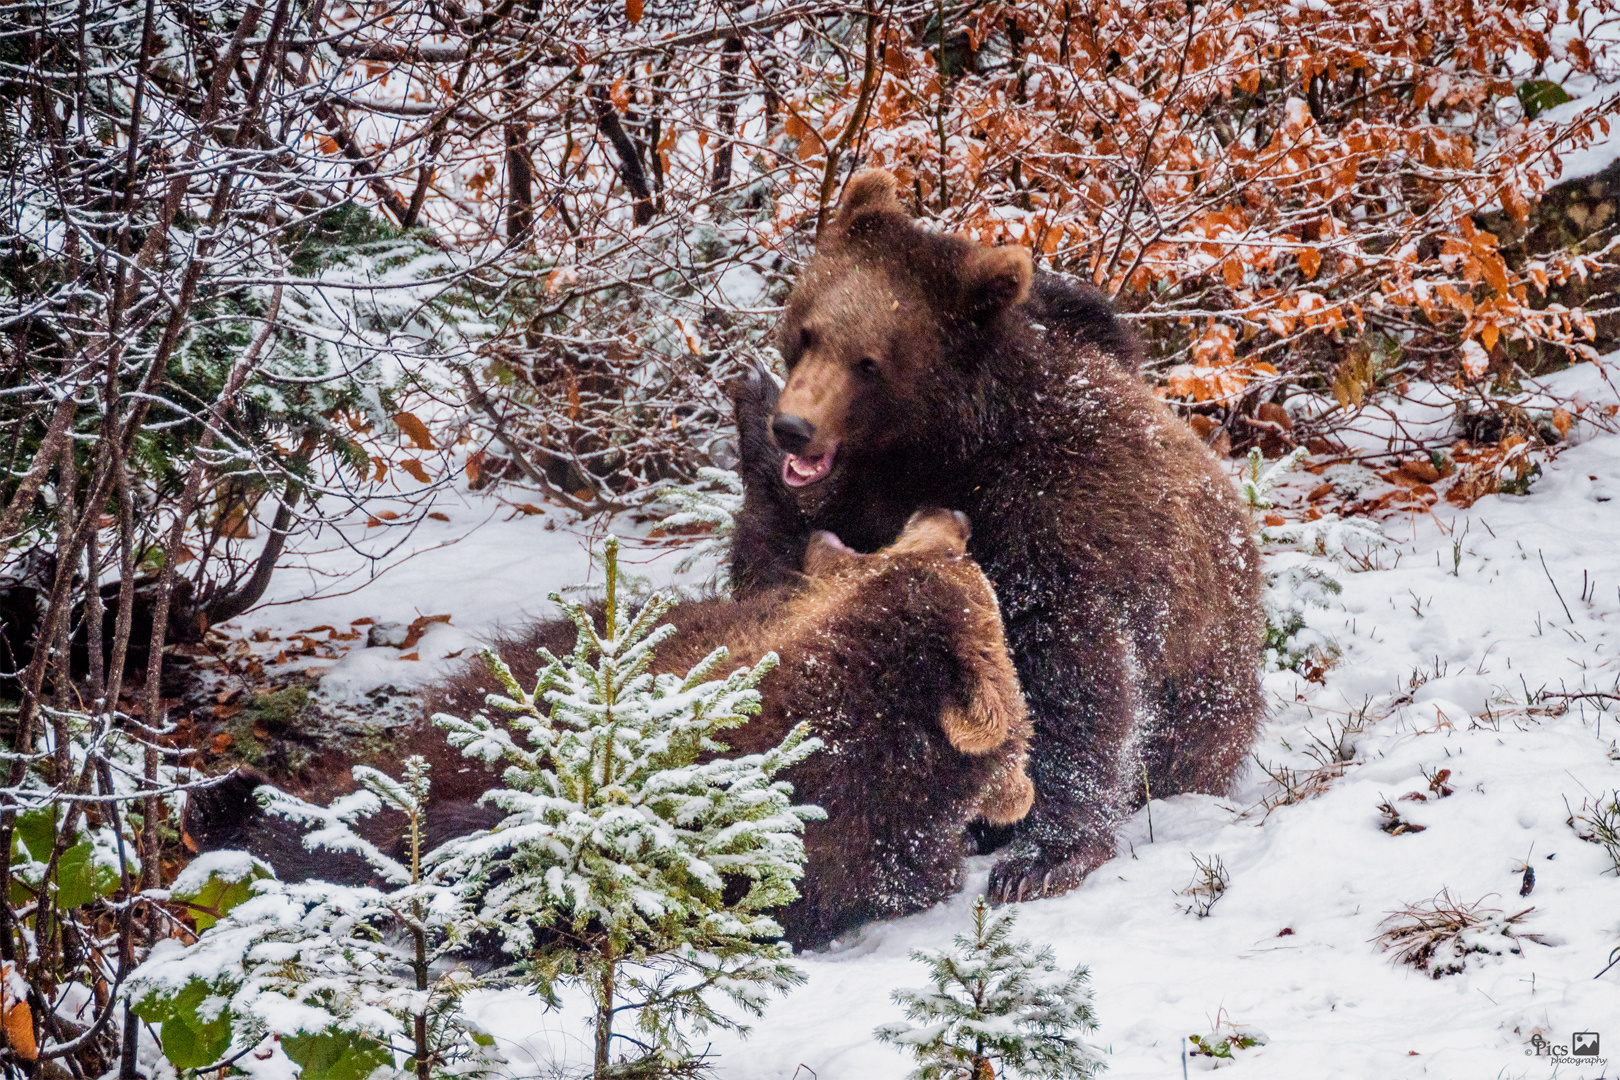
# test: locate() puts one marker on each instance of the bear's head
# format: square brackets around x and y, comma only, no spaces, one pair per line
[931,531]
[885,338]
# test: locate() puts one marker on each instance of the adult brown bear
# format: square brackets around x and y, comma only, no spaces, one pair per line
[897,661]
[1125,565]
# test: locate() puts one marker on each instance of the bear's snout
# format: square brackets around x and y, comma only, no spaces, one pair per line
[792,433]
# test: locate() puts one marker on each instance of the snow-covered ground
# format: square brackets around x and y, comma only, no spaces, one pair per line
[1451,642]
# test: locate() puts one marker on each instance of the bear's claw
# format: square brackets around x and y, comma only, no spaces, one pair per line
[1027,875]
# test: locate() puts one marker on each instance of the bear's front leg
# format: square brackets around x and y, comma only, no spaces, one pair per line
[770,535]
[1085,755]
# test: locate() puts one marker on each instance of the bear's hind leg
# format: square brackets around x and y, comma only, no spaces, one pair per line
[1208,724]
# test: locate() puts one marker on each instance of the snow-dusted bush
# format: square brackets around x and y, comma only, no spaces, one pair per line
[634,861]
[996,1009]
[1439,936]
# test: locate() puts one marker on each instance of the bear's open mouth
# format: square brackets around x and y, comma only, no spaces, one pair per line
[800,471]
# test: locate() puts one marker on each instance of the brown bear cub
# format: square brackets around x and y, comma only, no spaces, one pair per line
[898,662]
[921,373]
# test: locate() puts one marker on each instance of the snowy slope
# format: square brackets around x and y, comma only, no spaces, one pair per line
[1330,1001]
[490,564]
[1450,642]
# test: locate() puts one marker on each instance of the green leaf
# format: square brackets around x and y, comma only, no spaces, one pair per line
[189,1041]
[1538,95]
[76,876]
[221,892]
[335,1054]
[37,831]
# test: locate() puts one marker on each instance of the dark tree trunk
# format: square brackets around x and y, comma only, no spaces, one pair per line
[519,174]
[726,118]
[630,170]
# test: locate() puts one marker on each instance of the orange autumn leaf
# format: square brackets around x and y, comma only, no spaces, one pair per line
[632,11]
[414,467]
[418,432]
[1310,261]
[18,1021]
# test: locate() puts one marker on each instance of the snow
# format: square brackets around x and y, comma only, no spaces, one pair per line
[490,565]
[1449,642]
[1604,148]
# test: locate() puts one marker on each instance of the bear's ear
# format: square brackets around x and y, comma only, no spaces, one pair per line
[997,279]
[869,191]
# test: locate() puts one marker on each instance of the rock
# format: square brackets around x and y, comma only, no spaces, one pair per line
[389,634]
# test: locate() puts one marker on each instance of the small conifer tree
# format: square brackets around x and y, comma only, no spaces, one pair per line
[1256,481]
[995,1006]
[712,501]
[320,972]
[633,860]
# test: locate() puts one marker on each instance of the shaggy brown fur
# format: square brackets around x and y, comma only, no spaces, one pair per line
[1127,574]
[898,662]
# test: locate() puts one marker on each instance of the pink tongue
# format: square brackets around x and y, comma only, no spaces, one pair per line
[798,471]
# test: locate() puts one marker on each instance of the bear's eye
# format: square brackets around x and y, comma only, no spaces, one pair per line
[807,339]
[867,367]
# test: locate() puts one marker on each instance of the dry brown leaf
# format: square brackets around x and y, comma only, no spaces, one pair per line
[414,467]
[19,1025]
[418,432]
[419,627]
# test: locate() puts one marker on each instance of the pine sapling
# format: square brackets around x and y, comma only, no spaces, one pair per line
[995,1006]
[319,971]
[712,502]
[1257,481]
[634,860]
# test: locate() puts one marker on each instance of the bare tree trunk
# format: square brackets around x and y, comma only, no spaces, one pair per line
[726,117]
[630,170]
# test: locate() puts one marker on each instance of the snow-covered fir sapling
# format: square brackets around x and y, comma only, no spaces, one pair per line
[1257,482]
[712,502]
[1300,570]
[635,861]
[341,980]
[996,1009]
